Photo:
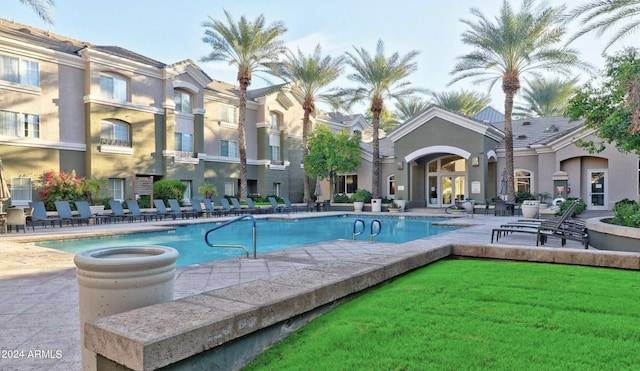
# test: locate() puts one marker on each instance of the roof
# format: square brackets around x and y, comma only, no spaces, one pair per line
[539,130]
[489,115]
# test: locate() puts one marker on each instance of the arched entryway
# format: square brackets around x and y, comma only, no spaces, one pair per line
[446,179]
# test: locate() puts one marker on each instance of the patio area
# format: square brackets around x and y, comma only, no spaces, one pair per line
[39,296]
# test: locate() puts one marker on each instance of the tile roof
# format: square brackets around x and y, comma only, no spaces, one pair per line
[538,130]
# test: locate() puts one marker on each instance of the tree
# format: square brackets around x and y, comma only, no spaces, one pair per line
[331,154]
[610,106]
[309,75]
[42,8]
[408,108]
[466,102]
[379,78]
[603,15]
[516,44]
[543,98]
[251,46]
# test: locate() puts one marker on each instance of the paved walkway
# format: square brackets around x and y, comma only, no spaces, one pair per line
[39,326]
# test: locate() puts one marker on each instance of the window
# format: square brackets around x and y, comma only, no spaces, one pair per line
[229,189]
[347,183]
[183,101]
[184,142]
[228,148]
[17,124]
[116,189]
[391,184]
[276,189]
[275,154]
[114,133]
[21,71]
[114,87]
[275,122]
[229,114]
[522,180]
[20,190]
[186,199]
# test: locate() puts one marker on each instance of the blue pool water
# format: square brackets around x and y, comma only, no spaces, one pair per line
[271,234]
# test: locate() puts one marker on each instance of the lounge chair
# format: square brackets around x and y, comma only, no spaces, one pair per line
[118,214]
[65,214]
[177,210]
[540,229]
[564,231]
[197,208]
[162,211]
[277,208]
[135,212]
[237,206]
[288,205]
[39,215]
[16,218]
[251,207]
[226,207]
[208,205]
[84,212]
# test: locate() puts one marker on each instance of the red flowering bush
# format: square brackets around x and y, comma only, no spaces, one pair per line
[58,187]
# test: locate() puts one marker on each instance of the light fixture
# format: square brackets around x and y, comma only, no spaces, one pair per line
[475,161]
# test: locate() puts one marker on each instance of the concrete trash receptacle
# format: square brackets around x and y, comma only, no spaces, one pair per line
[118,279]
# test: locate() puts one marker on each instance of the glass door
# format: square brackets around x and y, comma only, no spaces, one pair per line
[597,189]
[447,191]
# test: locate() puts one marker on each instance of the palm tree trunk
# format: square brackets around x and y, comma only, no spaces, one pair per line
[305,151]
[508,142]
[244,83]
[376,109]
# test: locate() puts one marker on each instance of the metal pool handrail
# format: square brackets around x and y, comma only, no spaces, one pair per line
[241,217]
[355,225]
[372,235]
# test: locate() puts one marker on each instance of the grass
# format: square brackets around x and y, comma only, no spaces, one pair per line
[476,314]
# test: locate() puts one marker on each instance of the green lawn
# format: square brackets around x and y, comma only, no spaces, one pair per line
[477,314]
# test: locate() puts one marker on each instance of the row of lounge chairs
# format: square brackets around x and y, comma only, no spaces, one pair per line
[564,227]
[65,215]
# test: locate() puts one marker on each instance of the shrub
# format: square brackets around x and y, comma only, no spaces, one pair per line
[362,195]
[59,187]
[522,196]
[166,189]
[627,213]
[341,198]
[580,208]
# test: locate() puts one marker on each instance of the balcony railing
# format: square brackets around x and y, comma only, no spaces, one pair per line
[115,142]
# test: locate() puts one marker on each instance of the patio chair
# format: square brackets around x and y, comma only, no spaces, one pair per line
[251,207]
[16,218]
[118,213]
[288,205]
[197,208]
[226,207]
[177,210]
[237,206]
[208,205]
[135,212]
[162,211]
[84,212]
[277,208]
[534,227]
[65,214]
[500,208]
[39,216]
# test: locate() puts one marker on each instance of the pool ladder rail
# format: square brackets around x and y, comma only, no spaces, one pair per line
[241,217]
[374,222]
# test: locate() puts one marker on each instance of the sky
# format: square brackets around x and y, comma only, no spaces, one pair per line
[172,31]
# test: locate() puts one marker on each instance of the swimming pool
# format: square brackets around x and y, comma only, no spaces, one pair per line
[271,234]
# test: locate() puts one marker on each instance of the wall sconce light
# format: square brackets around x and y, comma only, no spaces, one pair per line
[400,165]
[475,161]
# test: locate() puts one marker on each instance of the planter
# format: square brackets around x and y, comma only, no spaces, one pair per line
[358,206]
[120,279]
[401,204]
[605,236]
[394,209]
[530,209]
[376,205]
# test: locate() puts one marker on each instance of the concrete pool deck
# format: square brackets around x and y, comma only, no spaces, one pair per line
[39,297]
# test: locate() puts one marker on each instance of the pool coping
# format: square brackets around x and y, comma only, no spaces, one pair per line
[141,340]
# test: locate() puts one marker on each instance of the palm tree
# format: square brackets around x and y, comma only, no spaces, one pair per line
[466,102]
[516,44]
[42,8]
[603,15]
[379,78]
[410,107]
[544,97]
[309,75]
[251,47]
